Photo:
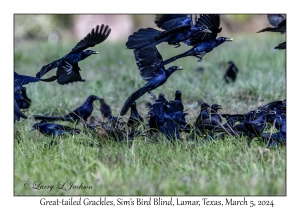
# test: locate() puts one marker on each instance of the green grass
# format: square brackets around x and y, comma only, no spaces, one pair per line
[148,167]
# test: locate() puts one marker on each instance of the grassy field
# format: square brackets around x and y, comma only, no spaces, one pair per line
[226,167]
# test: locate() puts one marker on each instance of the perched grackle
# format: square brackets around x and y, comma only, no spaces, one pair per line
[105,109]
[231,72]
[152,70]
[67,66]
[134,118]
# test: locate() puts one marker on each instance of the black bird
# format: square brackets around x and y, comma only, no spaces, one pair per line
[162,98]
[22,99]
[231,72]
[134,118]
[279,25]
[17,113]
[67,66]
[200,50]
[203,115]
[19,81]
[177,28]
[105,109]
[177,103]
[259,122]
[52,129]
[278,22]
[210,21]
[231,119]
[82,112]
[281,46]
[152,70]
[215,118]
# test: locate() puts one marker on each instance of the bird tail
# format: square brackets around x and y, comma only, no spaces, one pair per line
[143,38]
[267,29]
[51,79]
[185,54]
[131,99]
[48,118]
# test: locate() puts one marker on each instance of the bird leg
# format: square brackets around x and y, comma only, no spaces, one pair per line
[153,96]
[200,55]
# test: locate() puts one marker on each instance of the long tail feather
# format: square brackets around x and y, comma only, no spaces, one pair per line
[131,99]
[185,54]
[48,118]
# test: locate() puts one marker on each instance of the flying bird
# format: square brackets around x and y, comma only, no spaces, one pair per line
[67,66]
[152,70]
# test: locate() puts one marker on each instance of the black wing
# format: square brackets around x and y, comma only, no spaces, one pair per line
[275,19]
[211,21]
[48,67]
[68,73]
[208,21]
[96,36]
[281,46]
[20,80]
[171,21]
[148,60]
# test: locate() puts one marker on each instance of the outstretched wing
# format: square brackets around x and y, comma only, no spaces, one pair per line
[20,80]
[210,22]
[171,21]
[275,19]
[48,67]
[148,61]
[96,36]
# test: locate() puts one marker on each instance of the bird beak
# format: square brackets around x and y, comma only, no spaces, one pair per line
[94,52]
[220,107]
[179,68]
[229,39]
[32,129]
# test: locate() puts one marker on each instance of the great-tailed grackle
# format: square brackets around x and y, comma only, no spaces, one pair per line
[203,115]
[105,109]
[209,21]
[231,72]
[200,50]
[82,112]
[279,25]
[177,103]
[52,129]
[177,28]
[67,66]
[215,118]
[281,46]
[259,121]
[19,81]
[17,113]
[278,22]
[152,70]
[22,99]
[134,118]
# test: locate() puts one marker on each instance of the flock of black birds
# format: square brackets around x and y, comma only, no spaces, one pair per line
[167,117]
